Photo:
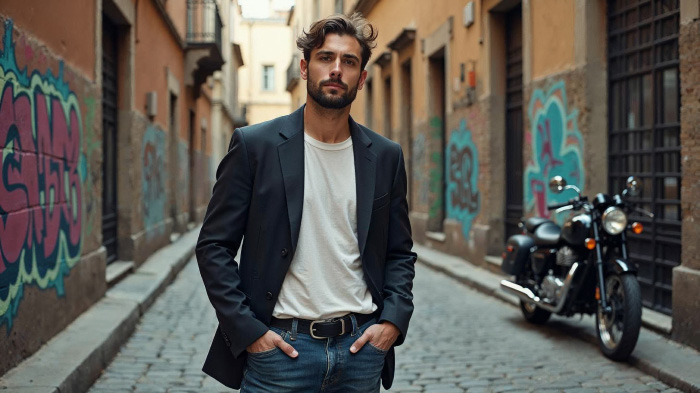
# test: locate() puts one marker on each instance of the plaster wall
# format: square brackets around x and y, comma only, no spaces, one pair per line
[264,104]
[156,50]
[61,26]
[552,24]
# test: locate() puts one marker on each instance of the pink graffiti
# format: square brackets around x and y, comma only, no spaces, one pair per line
[547,154]
[28,51]
[46,163]
[537,187]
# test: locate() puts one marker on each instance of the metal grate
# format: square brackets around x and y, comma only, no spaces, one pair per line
[644,124]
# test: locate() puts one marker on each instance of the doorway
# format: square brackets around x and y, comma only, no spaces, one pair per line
[109,137]
[438,115]
[514,121]
[407,121]
[388,131]
[191,165]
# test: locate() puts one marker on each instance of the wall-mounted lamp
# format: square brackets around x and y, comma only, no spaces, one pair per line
[151,103]
[468,14]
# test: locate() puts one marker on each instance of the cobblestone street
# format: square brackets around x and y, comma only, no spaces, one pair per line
[459,341]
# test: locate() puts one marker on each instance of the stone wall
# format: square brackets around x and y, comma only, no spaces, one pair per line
[686,278]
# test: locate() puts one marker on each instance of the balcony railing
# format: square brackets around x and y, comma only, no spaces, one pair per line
[204,53]
[293,73]
[203,23]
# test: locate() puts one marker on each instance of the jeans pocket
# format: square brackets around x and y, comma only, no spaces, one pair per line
[271,351]
[259,355]
[377,349]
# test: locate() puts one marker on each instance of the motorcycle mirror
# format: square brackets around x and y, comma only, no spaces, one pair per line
[557,184]
[634,186]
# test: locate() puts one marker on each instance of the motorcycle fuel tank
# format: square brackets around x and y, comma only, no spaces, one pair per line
[576,229]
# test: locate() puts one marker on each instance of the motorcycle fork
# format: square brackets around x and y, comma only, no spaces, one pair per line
[623,245]
[599,268]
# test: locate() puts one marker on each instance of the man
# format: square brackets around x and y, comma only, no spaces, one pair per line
[323,291]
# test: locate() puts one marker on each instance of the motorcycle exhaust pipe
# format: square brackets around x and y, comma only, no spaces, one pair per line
[527,295]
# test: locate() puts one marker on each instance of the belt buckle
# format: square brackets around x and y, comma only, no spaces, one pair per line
[311,327]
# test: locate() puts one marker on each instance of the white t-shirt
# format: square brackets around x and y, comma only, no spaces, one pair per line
[325,279]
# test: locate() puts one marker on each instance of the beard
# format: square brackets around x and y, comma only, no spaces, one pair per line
[331,101]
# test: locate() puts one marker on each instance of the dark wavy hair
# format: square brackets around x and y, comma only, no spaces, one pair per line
[355,25]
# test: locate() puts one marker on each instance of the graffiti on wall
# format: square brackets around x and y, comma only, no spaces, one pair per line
[92,144]
[153,195]
[183,176]
[420,178]
[557,149]
[462,174]
[436,171]
[41,184]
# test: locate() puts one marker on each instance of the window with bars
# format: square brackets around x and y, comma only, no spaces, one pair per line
[644,128]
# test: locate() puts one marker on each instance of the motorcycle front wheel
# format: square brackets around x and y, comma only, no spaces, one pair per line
[618,331]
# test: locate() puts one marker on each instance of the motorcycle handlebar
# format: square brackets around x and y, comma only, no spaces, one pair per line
[554,207]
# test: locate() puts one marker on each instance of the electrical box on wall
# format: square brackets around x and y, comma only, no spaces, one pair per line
[151,103]
[468,14]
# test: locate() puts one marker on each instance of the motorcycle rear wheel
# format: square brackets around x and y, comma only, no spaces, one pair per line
[534,314]
[618,331]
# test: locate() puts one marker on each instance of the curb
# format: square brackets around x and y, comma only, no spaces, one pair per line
[668,361]
[73,359]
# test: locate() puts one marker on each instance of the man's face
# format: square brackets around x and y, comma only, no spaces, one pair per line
[333,73]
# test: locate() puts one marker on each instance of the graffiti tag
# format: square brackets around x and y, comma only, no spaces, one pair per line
[42,174]
[462,174]
[154,197]
[557,149]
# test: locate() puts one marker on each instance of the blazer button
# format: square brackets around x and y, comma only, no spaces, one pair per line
[284,252]
[268,296]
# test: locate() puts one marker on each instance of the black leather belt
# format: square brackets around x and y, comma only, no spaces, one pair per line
[321,329]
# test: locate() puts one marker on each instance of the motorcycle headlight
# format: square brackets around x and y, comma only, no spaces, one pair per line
[614,220]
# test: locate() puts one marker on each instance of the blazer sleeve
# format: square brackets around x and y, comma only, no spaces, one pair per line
[400,260]
[221,234]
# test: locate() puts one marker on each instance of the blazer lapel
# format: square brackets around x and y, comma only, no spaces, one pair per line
[291,156]
[365,174]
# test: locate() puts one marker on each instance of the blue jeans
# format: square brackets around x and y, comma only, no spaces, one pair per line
[323,365]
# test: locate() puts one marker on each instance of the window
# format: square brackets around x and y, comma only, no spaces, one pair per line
[268,78]
[339,6]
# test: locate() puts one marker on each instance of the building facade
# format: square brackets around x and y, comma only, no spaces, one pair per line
[491,98]
[266,53]
[106,127]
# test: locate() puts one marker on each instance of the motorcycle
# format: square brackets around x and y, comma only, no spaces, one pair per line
[581,267]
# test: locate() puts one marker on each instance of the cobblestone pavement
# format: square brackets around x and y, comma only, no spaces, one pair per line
[459,341]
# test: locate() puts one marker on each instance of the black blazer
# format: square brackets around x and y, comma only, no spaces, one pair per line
[258,196]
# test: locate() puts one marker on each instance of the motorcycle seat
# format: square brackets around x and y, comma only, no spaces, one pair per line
[533,222]
[547,234]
